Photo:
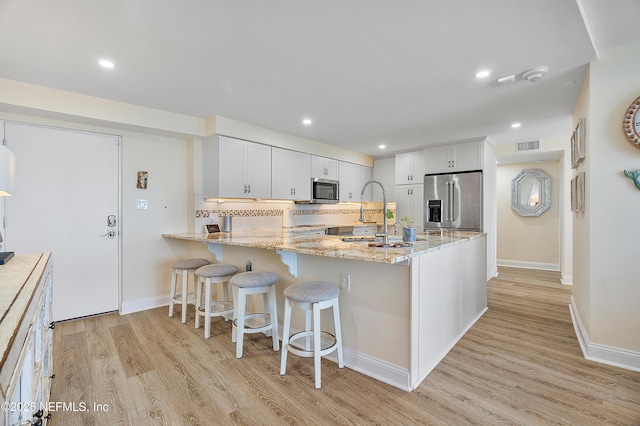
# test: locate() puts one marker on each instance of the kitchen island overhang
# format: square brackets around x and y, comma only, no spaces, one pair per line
[404,308]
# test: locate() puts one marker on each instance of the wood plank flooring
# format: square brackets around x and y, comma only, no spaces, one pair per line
[520,364]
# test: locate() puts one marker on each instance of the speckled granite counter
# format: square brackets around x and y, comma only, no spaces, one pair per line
[332,246]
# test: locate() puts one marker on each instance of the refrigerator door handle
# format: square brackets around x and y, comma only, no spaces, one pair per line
[447,216]
[451,201]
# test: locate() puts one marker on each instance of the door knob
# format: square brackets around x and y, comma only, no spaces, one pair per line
[110,234]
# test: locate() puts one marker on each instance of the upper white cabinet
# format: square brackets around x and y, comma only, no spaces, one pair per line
[324,168]
[454,158]
[410,168]
[352,178]
[235,168]
[291,175]
[409,203]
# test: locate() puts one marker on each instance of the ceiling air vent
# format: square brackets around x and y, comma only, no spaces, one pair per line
[527,146]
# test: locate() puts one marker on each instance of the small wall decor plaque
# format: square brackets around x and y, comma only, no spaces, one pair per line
[634,175]
[142,179]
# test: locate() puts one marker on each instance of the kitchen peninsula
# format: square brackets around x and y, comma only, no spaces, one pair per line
[402,308]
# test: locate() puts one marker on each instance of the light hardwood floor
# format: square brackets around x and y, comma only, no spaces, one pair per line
[519,364]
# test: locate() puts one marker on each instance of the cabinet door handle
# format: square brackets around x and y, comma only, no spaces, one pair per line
[249,188]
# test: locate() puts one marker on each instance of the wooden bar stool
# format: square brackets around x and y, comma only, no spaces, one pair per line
[208,275]
[184,267]
[254,282]
[312,297]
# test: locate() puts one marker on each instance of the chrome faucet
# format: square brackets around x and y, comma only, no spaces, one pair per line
[385,235]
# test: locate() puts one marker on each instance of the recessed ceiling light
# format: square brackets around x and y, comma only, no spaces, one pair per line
[105,63]
[382,146]
[306,121]
[483,73]
[515,125]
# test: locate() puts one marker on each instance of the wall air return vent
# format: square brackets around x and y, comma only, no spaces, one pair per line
[527,146]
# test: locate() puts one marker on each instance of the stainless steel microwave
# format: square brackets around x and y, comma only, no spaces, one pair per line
[324,191]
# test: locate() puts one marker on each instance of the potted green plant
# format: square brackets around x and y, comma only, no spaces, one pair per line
[408,231]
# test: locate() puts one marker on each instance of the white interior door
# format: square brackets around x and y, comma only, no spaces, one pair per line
[66,189]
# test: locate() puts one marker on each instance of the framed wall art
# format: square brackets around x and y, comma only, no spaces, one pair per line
[578,193]
[578,142]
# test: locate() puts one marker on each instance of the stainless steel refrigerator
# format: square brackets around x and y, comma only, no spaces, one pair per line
[453,201]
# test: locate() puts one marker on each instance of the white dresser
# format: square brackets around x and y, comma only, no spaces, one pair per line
[26,333]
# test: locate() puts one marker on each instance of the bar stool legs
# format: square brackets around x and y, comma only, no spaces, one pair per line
[248,283]
[218,273]
[184,267]
[312,297]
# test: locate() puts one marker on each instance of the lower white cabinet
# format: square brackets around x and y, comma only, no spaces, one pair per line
[448,295]
[409,203]
[26,372]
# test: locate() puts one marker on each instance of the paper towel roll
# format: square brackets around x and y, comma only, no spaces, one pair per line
[287,218]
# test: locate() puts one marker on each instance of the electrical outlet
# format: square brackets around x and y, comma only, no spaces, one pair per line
[345,282]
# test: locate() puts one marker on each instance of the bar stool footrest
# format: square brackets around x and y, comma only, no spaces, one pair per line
[249,328]
[227,308]
[309,353]
[191,297]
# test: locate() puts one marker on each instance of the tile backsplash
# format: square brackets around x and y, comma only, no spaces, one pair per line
[259,214]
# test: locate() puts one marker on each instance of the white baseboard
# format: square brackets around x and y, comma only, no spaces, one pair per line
[600,353]
[378,369]
[566,279]
[529,265]
[144,304]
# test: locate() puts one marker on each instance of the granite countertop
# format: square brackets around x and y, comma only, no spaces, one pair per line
[292,240]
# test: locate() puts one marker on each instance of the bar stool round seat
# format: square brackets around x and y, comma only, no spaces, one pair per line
[208,275]
[254,282]
[312,297]
[184,267]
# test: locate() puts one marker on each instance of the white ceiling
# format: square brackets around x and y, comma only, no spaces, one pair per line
[365,71]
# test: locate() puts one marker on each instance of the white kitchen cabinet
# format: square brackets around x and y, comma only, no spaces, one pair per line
[448,296]
[324,168]
[352,178]
[410,168]
[409,203]
[25,372]
[454,158]
[234,168]
[291,175]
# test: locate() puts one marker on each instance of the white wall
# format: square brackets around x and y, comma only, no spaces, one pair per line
[146,256]
[558,147]
[530,242]
[384,171]
[606,280]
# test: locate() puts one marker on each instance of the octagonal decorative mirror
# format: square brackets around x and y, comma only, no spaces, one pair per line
[531,192]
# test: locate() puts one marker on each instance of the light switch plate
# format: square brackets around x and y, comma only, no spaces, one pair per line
[141,205]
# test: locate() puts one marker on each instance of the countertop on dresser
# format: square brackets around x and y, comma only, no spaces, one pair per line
[19,279]
[295,241]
